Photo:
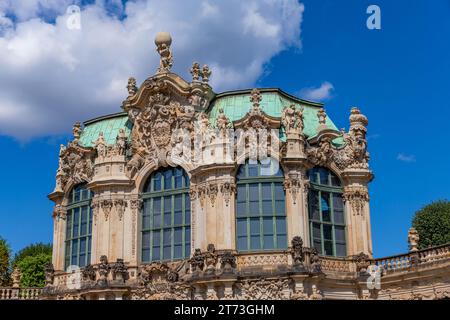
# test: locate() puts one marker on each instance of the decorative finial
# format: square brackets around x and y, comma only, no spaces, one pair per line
[206,73]
[163,40]
[358,121]
[16,275]
[255,98]
[322,116]
[76,131]
[195,71]
[131,86]
[413,239]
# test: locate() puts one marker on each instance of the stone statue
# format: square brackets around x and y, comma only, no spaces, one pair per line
[206,73]
[100,145]
[163,40]
[76,131]
[297,251]
[121,142]
[103,270]
[197,261]
[195,71]
[49,274]
[222,121]
[131,86]
[210,259]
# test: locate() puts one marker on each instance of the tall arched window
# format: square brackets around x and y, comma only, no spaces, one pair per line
[260,207]
[166,218]
[326,213]
[79,227]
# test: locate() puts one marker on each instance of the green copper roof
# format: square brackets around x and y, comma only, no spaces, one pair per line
[109,125]
[236,104]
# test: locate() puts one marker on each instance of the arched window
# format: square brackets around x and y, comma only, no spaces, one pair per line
[79,227]
[326,213]
[166,218]
[260,207]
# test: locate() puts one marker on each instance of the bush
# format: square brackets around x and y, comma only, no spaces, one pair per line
[32,270]
[5,254]
[32,250]
[432,223]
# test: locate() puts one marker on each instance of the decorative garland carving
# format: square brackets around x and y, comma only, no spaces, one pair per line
[357,196]
[120,205]
[227,189]
[106,206]
[136,206]
[293,185]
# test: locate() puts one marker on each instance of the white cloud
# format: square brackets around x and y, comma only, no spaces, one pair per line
[324,92]
[406,157]
[52,76]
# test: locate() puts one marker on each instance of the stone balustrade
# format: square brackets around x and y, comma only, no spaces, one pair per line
[9,293]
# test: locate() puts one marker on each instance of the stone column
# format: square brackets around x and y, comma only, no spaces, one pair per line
[357,211]
[59,230]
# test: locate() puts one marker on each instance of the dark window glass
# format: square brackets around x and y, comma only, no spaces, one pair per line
[166,216]
[326,212]
[260,207]
[78,227]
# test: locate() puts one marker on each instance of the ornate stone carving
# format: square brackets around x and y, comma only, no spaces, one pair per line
[227,189]
[228,262]
[210,259]
[75,163]
[292,119]
[16,275]
[59,212]
[206,73]
[95,205]
[293,185]
[76,131]
[106,206]
[297,251]
[163,41]
[49,274]
[88,273]
[315,261]
[121,142]
[120,205]
[100,145]
[195,71]
[357,196]
[103,270]
[222,122]
[354,153]
[413,239]
[119,270]
[322,116]
[316,294]
[299,295]
[263,289]
[213,189]
[197,261]
[322,154]
[131,86]
[362,262]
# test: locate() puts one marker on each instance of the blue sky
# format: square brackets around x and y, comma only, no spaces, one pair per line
[398,76]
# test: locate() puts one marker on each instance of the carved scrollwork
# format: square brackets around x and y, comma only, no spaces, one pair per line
[262,289]
[106,206]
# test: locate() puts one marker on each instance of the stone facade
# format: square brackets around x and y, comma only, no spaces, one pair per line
[167,114]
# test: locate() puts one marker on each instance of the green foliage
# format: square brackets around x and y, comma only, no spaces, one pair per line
[32,270]
[5,254]
[32,250]
[432,223]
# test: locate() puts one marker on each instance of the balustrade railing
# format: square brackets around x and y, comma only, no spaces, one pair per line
[9,293]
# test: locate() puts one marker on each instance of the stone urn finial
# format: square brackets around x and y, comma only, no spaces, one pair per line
[16,277]
[413,240]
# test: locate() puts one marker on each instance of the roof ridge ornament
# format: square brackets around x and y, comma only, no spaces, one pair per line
[255,98]
[163,40]
[322,116]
